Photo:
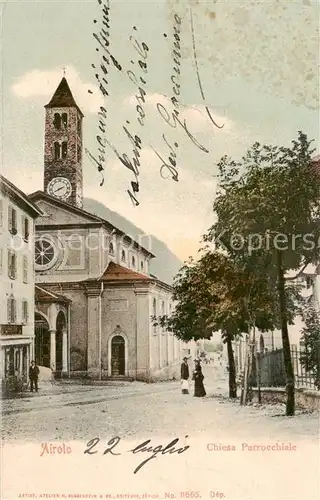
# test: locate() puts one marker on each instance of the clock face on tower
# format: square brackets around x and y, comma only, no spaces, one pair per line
[60,187]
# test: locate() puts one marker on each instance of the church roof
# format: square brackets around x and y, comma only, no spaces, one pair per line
[42,295]
[115,272]
[41,195]
[63,98]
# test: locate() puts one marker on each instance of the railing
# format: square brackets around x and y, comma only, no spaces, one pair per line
[271,369]
[303,379]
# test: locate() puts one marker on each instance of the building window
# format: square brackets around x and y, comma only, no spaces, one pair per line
[11,309]
[65,119]
[111,249]
[12,220]
[45,255]
[64,149]
[162,314]
[57,121]
[123,256]
[25,269]
[133,262]
[309,282]
[25,311]
[141,265]
[12,264]
[25,228]
[57,151]
[154,314]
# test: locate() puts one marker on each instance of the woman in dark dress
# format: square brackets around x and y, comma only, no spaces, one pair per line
[199,390]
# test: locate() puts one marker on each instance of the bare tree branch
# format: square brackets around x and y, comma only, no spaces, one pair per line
[300,272]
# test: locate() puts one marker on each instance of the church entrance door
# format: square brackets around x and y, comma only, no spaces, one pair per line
[117,356]
[42,341]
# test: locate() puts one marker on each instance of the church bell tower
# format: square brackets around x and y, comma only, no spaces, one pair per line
[63,147]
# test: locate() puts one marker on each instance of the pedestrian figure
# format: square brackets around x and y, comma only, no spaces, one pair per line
[199,390]
[185,376]
[33,376]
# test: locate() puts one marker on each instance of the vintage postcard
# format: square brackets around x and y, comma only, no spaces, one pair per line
[160,249]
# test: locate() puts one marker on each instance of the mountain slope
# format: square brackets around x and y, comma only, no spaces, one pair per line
[165,265]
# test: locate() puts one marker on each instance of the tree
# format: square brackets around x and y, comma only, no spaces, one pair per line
[310,358]
[211,294]
[268,215]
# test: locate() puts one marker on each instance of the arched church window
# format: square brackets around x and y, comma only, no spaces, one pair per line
[111,249]
[123,256]
[65,119]
[154,314]
[162,314]
[64,149]
[57,151]
[57,121]
[133,261]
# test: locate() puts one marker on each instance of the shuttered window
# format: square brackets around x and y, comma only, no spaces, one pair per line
[25,269]
[154,313]
[12,220]
[25,311]
[25,228]
[11,309]
[12,264]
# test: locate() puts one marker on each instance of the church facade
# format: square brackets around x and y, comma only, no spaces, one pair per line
[94,296]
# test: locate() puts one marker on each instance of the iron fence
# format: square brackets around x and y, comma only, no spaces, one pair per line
[271,369]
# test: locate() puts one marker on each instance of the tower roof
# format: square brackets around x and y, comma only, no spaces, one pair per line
[63,98]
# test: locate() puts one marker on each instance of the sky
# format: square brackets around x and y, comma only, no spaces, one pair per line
[257,64]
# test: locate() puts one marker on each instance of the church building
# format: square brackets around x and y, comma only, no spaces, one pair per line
[94,296]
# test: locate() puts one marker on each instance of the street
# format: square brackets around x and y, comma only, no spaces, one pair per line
[221,435]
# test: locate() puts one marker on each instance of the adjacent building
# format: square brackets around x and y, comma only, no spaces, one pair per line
[17,215]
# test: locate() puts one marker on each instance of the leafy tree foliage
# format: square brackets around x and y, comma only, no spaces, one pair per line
[269,200]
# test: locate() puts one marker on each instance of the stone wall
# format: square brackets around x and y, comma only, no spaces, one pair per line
[305,399]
